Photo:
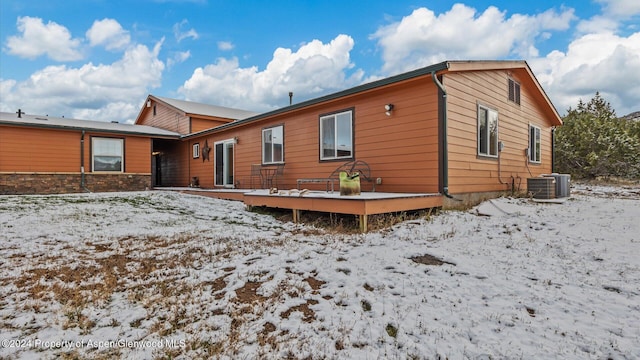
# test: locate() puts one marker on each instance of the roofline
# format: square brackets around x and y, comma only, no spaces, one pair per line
[351,91]
[92,129]
[544,94]
[182,111]
[156,99]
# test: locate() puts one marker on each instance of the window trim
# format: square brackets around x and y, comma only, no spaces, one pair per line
[270,128]
[532,151]
[489,110]
[93,154]
[196,150]
[335,114]
[513,91]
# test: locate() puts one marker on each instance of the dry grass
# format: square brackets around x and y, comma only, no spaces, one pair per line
[344,223]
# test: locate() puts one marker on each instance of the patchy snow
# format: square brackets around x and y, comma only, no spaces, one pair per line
[163,274]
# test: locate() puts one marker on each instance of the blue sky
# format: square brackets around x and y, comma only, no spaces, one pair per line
[99,59]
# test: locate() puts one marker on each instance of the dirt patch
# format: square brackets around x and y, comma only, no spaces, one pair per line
[217,286]
[248,293]
[427,259]
[265,337]
[308,315]
[315,283]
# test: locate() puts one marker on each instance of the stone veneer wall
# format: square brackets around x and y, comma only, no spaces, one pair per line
[60,183]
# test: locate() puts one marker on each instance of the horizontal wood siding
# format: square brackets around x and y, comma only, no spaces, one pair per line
[165,118]
[198,124]
[137,152]
[28,149]
[401,149]
[467,171]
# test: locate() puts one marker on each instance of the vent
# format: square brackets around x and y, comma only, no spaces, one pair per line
[563,188]
[542,187]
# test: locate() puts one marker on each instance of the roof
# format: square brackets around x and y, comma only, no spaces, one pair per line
[443,67]
[50,122]
[194,108]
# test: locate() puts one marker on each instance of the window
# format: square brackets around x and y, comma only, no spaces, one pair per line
[514,91]
[196,150]
[106,154]
[487,131]
[273,145]
[534,144]
[336,136]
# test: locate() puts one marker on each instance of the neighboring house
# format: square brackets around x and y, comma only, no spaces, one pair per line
[467,129]
[45,154]
[463,129]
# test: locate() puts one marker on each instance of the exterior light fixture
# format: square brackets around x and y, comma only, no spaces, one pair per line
[388,108]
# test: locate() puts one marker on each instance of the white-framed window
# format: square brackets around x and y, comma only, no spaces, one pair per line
[487,131]
[336,136]
[196,150]
[273,145]
[107,154]
[514,91]
[534,144]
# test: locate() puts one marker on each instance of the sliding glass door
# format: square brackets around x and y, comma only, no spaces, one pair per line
[223,170]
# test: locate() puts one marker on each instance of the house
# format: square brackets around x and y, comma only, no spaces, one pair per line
[46,154]
[457,131]
[171,160]
[467,130]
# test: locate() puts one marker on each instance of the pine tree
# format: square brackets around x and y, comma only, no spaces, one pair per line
[593,142]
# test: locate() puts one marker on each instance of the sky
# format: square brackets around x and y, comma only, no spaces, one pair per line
[99,59]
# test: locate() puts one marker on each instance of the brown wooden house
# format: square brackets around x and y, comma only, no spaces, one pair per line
[463,129]
[448,134]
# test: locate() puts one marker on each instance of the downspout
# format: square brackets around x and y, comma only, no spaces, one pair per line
[553,149]
[82,179]
[445,152]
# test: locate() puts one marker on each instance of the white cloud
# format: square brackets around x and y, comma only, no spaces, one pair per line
[178,58]
[423,38]
[180,34]
[38,39]
[314,69]
[603,62]
[97,92]
[225,45]
[109,33]
[621,8]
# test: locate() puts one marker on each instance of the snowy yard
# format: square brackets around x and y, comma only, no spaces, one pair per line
[161,274]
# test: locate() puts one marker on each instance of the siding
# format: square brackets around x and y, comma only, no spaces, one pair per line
[467,171]
[166,118]
[28,149]
[198,124]
[401,149]
[137,155]
[38,150]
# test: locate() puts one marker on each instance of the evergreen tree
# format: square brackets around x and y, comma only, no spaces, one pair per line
[593,142]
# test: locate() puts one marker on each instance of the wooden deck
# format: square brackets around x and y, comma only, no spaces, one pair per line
[367,203]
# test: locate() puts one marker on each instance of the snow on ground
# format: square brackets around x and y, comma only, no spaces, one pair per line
[161,274]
